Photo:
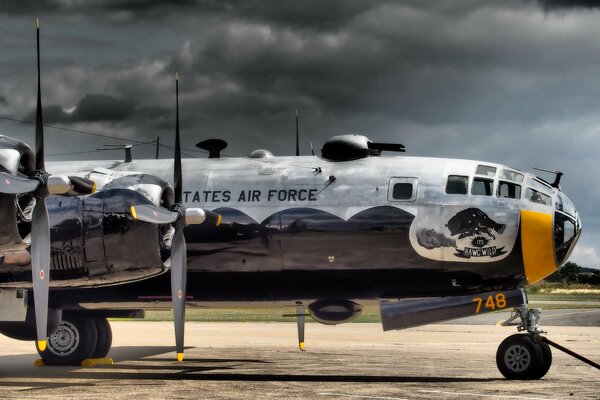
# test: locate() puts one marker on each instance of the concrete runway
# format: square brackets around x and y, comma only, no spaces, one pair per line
[261,361]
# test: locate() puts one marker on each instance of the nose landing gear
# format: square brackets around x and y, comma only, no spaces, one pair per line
[524,356]
[527,356]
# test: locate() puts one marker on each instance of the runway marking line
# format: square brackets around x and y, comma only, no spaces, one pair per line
[497,396]
[569,313]
[359,396]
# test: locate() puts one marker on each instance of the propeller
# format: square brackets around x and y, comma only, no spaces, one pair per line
[42,184]
[179,216]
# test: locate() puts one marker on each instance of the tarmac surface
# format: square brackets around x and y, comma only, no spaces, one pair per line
[262,361]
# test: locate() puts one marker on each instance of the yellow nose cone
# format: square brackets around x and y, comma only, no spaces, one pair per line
[537,241]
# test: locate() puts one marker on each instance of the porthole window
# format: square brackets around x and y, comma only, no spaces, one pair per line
[457,184]
[403,189]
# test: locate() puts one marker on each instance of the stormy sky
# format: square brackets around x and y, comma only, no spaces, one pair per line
[510,81]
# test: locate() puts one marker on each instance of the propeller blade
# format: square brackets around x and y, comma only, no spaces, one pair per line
[12,184]
[40,268]
[178,287]
[39,124]
[82,186]
[153,214]
[177,184]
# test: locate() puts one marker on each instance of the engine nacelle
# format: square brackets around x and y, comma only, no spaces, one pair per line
[16,158]
[334,311]
[96,242]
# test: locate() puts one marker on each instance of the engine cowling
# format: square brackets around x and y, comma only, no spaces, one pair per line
[94,239]
[16,158]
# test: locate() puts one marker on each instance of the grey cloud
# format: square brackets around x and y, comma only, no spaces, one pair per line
[3,100]
[93,108]
[568,4]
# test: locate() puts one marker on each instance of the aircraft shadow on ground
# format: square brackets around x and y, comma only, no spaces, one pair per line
[153,369]
[132,363]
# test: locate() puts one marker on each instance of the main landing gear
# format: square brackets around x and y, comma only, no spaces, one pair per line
[524,356]
[79,337]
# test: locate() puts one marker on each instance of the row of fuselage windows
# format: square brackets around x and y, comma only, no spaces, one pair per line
[459,184]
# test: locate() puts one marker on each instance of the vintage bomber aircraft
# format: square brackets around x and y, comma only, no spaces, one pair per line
[456,237]
[434,239]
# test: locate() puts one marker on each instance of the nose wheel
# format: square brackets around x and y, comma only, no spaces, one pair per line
[522,357]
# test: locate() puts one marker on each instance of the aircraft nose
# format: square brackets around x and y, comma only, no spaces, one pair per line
[548,238]
[567,228]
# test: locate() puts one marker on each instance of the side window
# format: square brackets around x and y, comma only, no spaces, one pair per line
[538,197]
[509,190]
[457,184]
[482,187]
[403,189]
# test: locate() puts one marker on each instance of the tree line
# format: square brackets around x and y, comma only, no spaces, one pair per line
[574,273]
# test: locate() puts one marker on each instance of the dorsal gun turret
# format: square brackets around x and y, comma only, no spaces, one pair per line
[354,147]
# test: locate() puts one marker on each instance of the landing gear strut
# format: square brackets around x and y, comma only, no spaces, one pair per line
[524,356]
[78,337]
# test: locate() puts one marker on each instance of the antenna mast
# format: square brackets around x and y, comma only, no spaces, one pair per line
[297,140]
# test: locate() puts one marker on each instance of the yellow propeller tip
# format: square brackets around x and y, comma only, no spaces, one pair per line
[176,76]
[301,345]
[94,188]
[219,219]
[41,344]
[180,357]
[37,23]
[133,213]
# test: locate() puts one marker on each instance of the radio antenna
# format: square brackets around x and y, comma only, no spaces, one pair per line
[297,136]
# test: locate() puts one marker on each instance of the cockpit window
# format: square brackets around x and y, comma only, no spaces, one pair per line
[564,204]
[486,170]
[511,176]
[457,184]
[482,187]
[509,190]
[538,197]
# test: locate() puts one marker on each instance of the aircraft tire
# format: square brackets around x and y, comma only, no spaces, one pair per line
[520,358]
[74,341]
[104,341]
[547,354]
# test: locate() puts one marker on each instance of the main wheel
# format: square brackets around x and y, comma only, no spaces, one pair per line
[519,357]
[104,337]
[73,341]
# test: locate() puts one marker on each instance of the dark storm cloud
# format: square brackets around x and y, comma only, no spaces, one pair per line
[568,4]
[292,13]
[93,108]
[3,100]
[25,7]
